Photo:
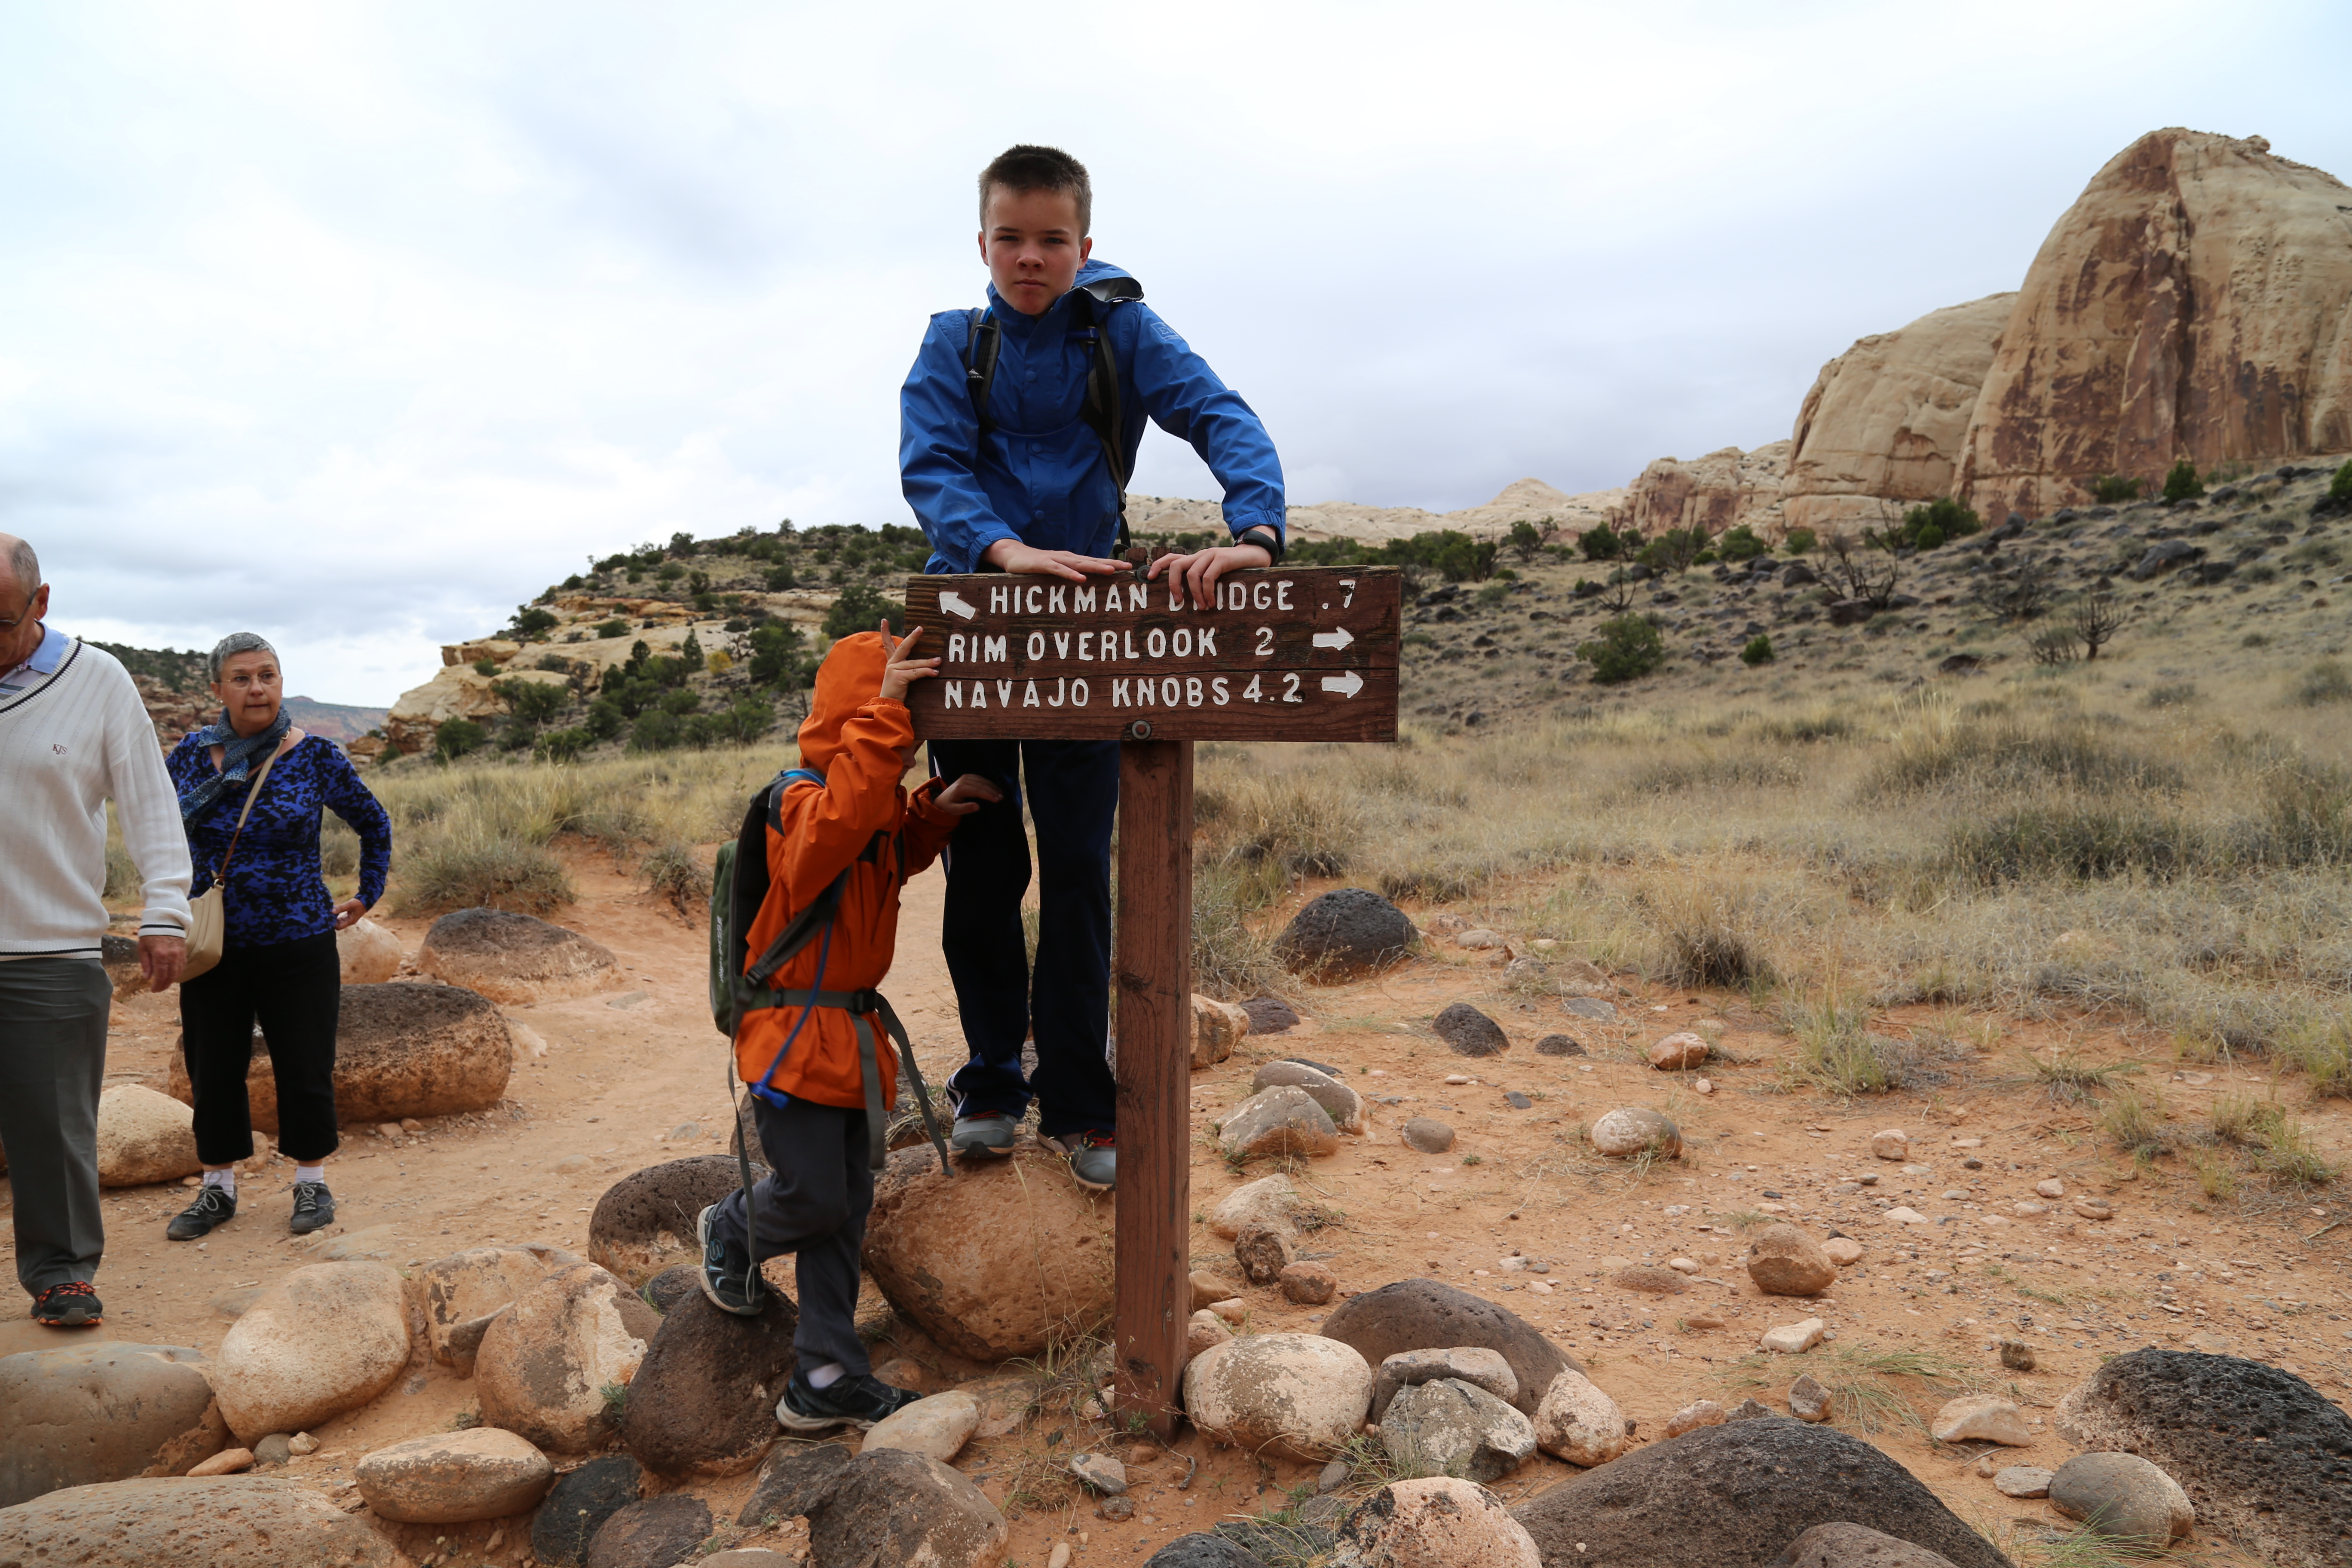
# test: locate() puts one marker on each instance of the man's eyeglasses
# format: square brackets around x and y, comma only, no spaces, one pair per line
[11,623]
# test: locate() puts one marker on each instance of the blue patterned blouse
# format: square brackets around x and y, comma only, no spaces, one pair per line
[276,890]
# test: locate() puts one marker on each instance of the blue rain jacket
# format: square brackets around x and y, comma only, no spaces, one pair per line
[1042,479]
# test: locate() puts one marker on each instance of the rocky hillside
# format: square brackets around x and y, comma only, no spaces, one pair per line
[171,684]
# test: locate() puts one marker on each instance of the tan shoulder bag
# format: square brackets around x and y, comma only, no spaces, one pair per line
[207,918]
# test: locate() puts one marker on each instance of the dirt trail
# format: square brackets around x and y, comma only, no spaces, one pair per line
[627,1066]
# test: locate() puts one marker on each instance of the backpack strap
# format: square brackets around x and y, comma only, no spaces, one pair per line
[1101,409]
[982,340]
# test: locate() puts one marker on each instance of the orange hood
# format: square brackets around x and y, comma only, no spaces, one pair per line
[849,678]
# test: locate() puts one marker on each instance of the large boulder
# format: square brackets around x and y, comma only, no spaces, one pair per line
[1439,1522]
[87,1413]
[1216,1028]
[891,1509]
[1733,1496]
[1577,1421]
[1429,1314]
[369,953]
[1342,1103]
[220,1521]
[407,1048]
[464,1293]
[1784,1261]
[325,1338]
[645,1222]
[1268,1201]
[1449,1427]
[453,1478]
[578,1506]
[1857,1546]
[1472,1364]
[1346,933]
[2191,303]
[2265,1458]
[1887,418]
[1298,1396]
[996,1260]
[939,1425]
[654,1532]
[704,1401]
[792,1481]
[546,1364]
[2124,1495]
[515,958]
[1284,1119]
[144,1137]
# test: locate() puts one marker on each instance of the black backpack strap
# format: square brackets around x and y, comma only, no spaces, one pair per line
[1102,409]
[982,338]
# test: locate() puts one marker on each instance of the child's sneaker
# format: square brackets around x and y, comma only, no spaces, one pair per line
[728,1278]
[859,1401]
[1094,1161]
[987,1133]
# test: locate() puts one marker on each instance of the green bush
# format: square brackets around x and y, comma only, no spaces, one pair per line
[1676,550]
[1799,541]
[1627,648]
[1607,543]
[2324,682]
[1758,650]
[605,719]
[2182,483]
[535,701]
[564,745]
[1928,538]
[657,731]
[689,653]
[2339,488]
[457,737]
[615,627]
[780,578]
[680,702]
[529,623]
[780,657]
[1741,543]
[858,609]
[486,667]
[1526,539]
[554,663]
[2114,489]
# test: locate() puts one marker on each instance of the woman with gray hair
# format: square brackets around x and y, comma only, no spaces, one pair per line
[252,788]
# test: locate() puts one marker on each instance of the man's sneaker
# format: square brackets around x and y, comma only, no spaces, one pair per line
[858,1401]
[1094,1161]
[314,1207]
[213,1206]
[990,1133]
[728,1278]
[72,1305]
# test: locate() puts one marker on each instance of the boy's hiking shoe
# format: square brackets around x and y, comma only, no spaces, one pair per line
[314,1207]
[213,1206]
[987,1133]
[1094,1161]
[728,1278]
[858,1401]
[72,1305]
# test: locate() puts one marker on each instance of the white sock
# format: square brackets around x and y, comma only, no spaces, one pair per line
[224,1180]
[310,1173]
[829,1374]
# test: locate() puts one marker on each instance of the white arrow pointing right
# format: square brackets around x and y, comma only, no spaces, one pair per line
[1339,638]
[1346,685]
[953,603]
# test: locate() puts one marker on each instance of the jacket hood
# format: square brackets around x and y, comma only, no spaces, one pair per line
[849,678]
[1105,281]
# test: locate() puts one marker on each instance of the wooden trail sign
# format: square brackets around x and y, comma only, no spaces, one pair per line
[1303,654]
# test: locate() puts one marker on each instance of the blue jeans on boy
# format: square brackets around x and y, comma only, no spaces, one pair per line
[1072,792]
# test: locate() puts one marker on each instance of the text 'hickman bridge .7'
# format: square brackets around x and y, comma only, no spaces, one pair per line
[1303,654]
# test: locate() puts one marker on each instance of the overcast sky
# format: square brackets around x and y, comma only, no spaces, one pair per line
[356,325]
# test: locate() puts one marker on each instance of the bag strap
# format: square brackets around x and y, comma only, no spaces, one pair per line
[1101,408]
[221,876]
[982,339]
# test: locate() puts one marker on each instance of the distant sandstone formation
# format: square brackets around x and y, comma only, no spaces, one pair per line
[1722,491]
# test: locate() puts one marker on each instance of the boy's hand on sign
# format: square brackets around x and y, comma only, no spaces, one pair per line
[1011,555]
[1199,572]
[964,796]
[900,671]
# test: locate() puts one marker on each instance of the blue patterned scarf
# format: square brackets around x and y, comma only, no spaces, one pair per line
[238,753]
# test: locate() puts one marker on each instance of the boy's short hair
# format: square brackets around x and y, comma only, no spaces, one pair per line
[1028,168]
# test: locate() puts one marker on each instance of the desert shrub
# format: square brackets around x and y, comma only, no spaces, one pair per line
[2327,681]
[1627,648]
[1947,519]
[2181,482]
[565,745]
[2259,573]
[657,731]
[1675,550]
[2055,646]
[2305,816]
[1799,541]
[480,870]
[2322,1048]
[1606,543]
[2114,489]
[1711,937]
[860,608]
[457,737]
[553,663]
[486,667]
[680,702]
[1837,1050]
[1808,728]
[533,701]
[1741,543]
[780,658]
[1230,960]
[605,719]
[676,873]
[2010,754]
[613,628]
[1741,770]
[1928,538]
[2339,488]
[1288,820]
[1758,651]
[2081,842]
[2134,1122]
[2172,694]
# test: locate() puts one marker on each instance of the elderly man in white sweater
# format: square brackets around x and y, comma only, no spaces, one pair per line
[72,733]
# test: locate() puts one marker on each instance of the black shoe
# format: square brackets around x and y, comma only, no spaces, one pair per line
[213,1206]
[72,1305]
[859,1402]
[314,1207]
[728,1278]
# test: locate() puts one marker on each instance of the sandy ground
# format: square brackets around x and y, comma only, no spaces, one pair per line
[628,1067]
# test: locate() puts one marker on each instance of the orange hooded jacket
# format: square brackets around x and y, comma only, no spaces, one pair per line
[852,736]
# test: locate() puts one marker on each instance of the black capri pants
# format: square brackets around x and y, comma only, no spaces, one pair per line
[293,989]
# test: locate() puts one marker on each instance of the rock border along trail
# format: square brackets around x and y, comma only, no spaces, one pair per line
[1518,1212]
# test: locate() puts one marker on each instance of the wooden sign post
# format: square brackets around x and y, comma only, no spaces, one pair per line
[1304,654]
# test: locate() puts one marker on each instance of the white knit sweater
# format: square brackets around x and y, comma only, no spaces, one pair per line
[66,744]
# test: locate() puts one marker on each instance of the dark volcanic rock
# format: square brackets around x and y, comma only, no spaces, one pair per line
[793,1482]
[671,1286]
[1557,1046]
[891,1509]
[2266,1459]
[1429,1314]
[644,1222]
[1269,1015]
[1857,1546]
[571,1515]
[658,1532]
[1733,1496]
[1202,1550]
[1344,933]
[1467,1032]
[704,1402]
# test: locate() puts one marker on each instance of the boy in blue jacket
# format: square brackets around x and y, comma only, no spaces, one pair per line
[1024,468]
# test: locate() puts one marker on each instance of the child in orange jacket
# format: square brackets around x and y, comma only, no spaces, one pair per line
[801,1057]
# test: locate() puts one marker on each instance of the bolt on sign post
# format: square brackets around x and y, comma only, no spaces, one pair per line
[1284,654]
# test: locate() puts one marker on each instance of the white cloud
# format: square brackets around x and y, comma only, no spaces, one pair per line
[361,324]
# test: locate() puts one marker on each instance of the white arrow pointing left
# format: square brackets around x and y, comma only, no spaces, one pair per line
[1346,685]
[953,603]
[1339,638]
